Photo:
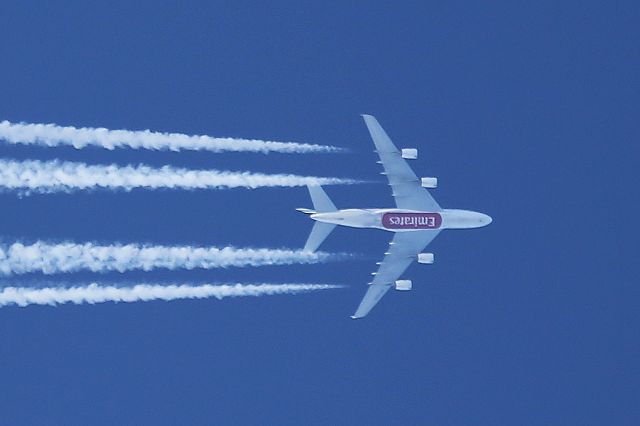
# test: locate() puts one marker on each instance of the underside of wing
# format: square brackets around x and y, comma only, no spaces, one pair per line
[406,188]
[371,298]
[403,250]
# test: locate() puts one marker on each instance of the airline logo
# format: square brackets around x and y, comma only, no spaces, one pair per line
[411,220]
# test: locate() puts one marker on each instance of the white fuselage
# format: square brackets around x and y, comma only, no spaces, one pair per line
[399,220]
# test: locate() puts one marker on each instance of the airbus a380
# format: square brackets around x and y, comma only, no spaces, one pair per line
[416,220]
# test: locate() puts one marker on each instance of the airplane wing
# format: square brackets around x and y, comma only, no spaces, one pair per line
[403,250]
[406,188]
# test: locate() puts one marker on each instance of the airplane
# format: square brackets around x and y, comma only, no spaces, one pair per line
[416,220]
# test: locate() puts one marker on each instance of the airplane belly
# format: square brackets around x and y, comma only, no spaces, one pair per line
[411,221]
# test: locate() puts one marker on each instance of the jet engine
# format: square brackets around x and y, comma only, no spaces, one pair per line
[426,258]
[429,182]
[409,153]
[403,285]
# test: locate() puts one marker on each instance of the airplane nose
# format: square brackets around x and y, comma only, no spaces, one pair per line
[486,219]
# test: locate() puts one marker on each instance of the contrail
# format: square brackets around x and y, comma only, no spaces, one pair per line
[58,176]
[47,258]
[93,293]
[54,135]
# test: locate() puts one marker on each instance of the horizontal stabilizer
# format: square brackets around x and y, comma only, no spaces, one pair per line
[318,234]
[321,201]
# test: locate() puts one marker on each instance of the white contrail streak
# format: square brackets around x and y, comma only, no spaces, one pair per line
[54,135]
[47,258]
[57,176]
[93,293]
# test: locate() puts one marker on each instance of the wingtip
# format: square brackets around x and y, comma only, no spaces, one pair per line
[355,317]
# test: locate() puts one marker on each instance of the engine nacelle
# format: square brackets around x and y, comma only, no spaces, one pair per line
[403,285]
[409,153]
[429,182]
[426,258]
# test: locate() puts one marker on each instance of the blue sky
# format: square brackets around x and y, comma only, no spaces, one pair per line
[524,110]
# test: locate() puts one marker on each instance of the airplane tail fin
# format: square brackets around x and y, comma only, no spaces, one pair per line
[320,231]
